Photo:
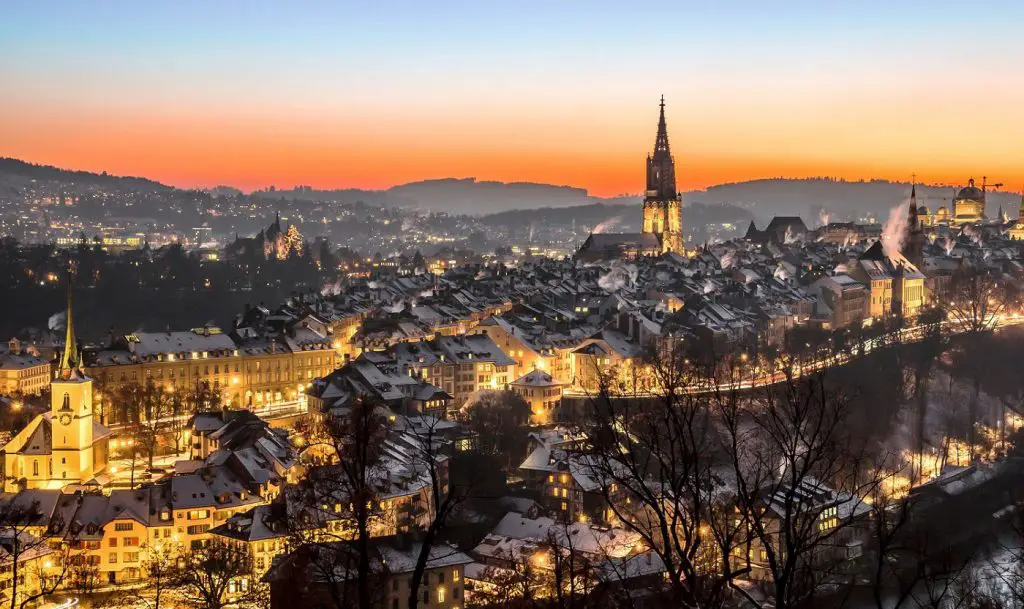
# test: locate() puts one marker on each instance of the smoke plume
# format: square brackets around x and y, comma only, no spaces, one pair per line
[331,288]
[894,232]
[618,276]
[607,224]
[789,238]
[727,259]
[57,321]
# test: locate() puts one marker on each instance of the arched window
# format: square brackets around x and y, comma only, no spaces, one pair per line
[35,468]
[67,402]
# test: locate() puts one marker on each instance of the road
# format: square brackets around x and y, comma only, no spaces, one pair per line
[903,336]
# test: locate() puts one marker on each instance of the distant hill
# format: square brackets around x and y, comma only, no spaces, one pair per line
[805,197]
[840,199]
[12,169]
[470,196]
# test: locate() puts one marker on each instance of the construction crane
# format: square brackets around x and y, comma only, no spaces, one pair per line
[984,184]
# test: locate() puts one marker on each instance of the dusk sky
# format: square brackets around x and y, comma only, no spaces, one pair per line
[371,94]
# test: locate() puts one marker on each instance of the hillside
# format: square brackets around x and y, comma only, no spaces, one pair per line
[840,199]
[14,171]
[805,197]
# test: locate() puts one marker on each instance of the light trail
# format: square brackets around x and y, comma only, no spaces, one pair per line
[902,336]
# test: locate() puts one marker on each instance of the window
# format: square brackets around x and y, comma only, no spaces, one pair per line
[455,575]
[113,558]
[130,542]
[113,542]
[441,594]
[35,468]
[122,526]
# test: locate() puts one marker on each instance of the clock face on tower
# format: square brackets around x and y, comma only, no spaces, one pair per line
[65,419]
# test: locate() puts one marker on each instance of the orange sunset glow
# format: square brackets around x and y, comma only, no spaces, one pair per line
[559,108]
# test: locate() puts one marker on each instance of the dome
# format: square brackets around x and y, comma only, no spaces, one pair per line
[923,211]
[971,192]
[942,212]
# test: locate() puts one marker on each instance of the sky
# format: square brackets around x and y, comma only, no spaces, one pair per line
[371,94]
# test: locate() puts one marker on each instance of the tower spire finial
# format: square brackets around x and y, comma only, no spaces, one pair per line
[71,359]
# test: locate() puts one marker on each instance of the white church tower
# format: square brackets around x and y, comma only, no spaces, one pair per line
[66,445]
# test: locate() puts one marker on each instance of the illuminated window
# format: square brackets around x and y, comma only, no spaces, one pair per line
[441,594]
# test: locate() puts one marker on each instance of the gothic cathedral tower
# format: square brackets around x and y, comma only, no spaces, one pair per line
[663,210]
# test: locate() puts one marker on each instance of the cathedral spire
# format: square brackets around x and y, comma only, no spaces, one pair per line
[913,246]
[71,359]
[912,212]
[661,149]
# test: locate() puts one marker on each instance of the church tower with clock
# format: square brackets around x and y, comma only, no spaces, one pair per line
[71,412]
[65,446]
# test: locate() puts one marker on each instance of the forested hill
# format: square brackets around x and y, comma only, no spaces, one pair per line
[841,199]
[12,169]
[763,198]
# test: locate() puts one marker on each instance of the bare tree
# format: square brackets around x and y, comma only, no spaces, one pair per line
[498,418]
[800,474]
[214,576]
[653,453]
[184,403]
[511,585]
[30,557]
[148,408]
[911,563]
[334,511]
[977,300]
[162,576]
[572,571]
[425,443]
